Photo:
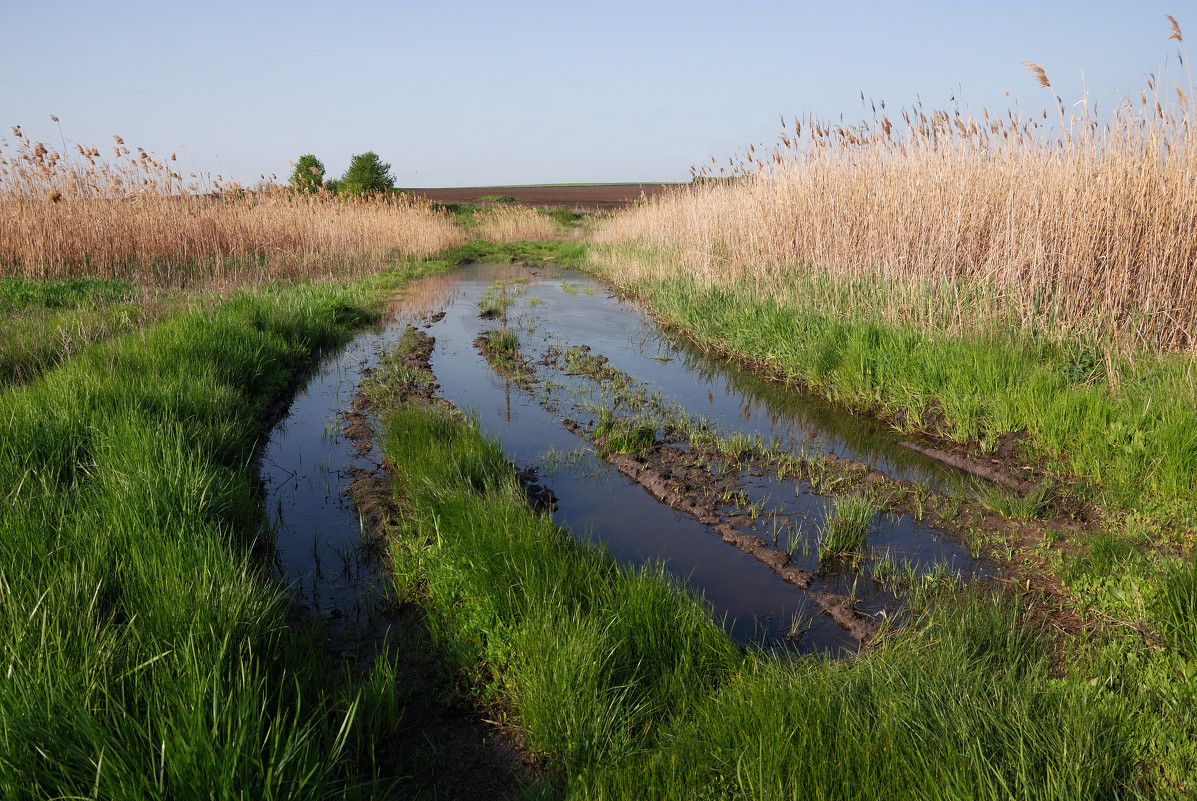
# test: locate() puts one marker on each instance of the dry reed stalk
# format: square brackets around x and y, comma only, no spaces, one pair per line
[135,217]
[513,224]
[1088,230]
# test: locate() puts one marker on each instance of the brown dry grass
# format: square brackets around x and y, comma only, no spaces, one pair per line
[1089,230]
[513,224]
[133,216]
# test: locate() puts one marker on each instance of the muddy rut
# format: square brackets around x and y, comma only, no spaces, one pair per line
[732,481]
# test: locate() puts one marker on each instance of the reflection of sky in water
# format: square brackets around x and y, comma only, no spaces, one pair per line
[305,467]
[599,504]
[304,470]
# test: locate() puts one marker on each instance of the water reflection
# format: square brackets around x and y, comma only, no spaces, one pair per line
[308,465]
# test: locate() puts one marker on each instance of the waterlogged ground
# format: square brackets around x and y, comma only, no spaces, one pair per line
[585,359]
[307,470]
[747,534]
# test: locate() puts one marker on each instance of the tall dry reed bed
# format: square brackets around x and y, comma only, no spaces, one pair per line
[133,216]
[1071,227]
[501,224]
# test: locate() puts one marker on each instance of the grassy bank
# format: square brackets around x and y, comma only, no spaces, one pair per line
[46,322]
[632,692]
[147,648]
[973,276]
[1126,427]
[553,619]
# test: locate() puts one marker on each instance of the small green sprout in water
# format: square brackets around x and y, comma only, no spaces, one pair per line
[921,493]
[503,342]
[846,529]
[800,623]
[735,446]
[495,302]
[798,544]
[884,567]
[776,527]
[622,435]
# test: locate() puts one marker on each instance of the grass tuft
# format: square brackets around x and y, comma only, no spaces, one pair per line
[1012,505]
[614,434]
[846,529]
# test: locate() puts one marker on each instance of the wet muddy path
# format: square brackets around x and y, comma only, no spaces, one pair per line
[307,469]
[641,444]
[733,482]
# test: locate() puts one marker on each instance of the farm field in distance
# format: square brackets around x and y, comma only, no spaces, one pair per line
[866,466]
[578,197]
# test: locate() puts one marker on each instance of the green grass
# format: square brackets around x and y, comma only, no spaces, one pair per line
[1177,611]
[1010,504]
[964,708]
[547,252]
[563,215]
[1134,444]
[631,691]
[70,293]
[846,529]
[45,322]
[590,656]
[147,652]
[616,434]
[496,199]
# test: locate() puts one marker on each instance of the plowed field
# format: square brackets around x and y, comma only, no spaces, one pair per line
[579,197]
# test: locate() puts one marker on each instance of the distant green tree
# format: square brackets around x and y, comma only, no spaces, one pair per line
[308,175]
[367,174]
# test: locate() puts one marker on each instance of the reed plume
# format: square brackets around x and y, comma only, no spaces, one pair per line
[1085,230]
[134,216]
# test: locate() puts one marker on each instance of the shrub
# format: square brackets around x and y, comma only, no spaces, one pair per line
[367,174]
[308,175]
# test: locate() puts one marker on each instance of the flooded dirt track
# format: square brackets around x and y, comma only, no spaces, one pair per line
[555,367]
[642,444]
[308,469]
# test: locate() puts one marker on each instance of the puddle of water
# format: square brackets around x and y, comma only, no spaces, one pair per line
[307,466]
[306,469]
[555,309]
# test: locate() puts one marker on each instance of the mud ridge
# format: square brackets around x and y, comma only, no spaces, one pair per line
[673,477]
[973,467]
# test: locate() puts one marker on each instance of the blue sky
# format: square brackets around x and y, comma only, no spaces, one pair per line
[472,93]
